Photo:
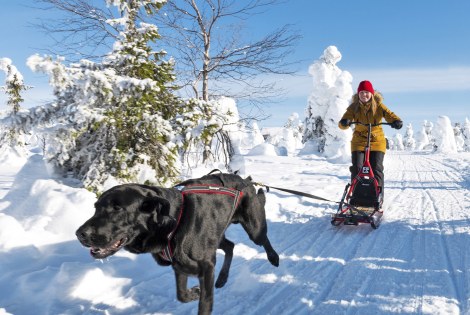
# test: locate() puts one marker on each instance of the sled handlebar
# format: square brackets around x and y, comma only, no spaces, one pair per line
[369,128]
[372,125]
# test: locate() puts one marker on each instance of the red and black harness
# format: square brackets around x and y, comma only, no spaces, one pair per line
[167,253]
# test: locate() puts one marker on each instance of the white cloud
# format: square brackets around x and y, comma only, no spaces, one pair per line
[385,80]
[416,79]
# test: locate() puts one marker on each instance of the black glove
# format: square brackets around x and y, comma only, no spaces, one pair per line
[345,122]
[397,124]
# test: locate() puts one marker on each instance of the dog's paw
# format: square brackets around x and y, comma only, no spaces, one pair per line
[273,259]
[189,295]
[221,280]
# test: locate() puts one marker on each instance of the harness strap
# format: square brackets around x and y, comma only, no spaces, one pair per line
[167,253]
[216,170]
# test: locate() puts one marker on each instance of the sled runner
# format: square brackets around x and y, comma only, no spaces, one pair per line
[362,198]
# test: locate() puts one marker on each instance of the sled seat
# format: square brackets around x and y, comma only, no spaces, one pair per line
[365,194]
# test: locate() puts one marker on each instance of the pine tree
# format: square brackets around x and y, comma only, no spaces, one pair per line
[121,119]
[422,139]
[140,116]
[292,133]
[428,128]
[328,101]
[444,135]
[408,141]
[12,134]
[466,135]
[398,142]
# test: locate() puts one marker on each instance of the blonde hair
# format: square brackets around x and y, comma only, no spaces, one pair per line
[375,100]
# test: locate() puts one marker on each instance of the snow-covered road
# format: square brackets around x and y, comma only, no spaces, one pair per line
[417,262]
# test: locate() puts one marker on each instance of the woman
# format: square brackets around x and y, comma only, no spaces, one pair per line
[367,108]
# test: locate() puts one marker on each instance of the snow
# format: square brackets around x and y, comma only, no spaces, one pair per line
[445,138]
[331,94]
[416,262]
[10,70]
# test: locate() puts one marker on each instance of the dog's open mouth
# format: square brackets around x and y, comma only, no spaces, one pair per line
[103,252]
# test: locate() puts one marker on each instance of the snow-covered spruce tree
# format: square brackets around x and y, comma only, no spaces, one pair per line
[422,140]
[11,133]
[444,135]
[408,141]
[329,99]
[398,142]
[294,123]
[459,139]
[121,120]
[292,134]
[466,135]
[428,128]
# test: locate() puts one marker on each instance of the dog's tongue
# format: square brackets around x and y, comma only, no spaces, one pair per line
[94,251]
[118,243]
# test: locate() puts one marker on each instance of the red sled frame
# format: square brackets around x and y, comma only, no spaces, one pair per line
[362,199]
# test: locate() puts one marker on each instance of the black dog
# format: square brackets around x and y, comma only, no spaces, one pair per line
[181,227]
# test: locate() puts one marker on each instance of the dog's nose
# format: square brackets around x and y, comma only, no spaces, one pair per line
[83,233]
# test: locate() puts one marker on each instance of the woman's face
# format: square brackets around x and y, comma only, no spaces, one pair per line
[365,96]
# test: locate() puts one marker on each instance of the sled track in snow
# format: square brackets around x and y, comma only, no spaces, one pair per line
[416,262]
[443,211]
[413,263]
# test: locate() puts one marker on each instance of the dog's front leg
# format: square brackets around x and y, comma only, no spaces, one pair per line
[206,281]
[182,293]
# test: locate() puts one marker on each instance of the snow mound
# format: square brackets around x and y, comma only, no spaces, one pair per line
[267,149]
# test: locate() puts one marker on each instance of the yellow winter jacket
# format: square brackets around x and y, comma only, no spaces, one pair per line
[371,112]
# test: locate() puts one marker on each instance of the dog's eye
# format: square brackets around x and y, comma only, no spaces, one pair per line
[117,208]
[146,207]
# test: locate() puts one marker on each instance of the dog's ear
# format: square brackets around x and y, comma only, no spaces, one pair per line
[160,208]
[155,204]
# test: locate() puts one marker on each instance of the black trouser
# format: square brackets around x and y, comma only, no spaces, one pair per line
[376,159]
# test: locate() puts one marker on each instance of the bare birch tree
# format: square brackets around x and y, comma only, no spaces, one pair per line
[80,30]
[214,53]
[209,39]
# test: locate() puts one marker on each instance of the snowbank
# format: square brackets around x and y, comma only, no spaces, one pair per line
[44,270]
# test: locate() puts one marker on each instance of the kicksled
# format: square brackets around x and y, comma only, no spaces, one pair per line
[349,214]
[346,214]
[362,199]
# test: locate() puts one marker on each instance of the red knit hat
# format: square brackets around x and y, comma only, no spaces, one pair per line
[365,86]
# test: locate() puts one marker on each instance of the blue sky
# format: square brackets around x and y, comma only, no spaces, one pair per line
[416,52]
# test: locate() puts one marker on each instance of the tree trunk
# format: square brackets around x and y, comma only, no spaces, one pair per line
[207,154]
[205,68]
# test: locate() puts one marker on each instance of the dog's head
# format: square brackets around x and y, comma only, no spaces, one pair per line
[123,214]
